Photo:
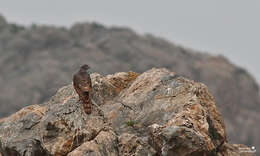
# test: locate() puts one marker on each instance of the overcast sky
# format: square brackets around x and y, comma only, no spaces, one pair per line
[228,27]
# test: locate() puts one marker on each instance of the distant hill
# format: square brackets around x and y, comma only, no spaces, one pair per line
[36,60]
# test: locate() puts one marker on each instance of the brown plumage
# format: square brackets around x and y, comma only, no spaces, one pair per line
[82,85]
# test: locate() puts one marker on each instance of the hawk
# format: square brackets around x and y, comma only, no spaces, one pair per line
[82,85]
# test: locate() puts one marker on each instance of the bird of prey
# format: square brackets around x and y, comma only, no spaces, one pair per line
[82,85]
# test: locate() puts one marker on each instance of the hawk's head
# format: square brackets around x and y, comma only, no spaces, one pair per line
[84,67]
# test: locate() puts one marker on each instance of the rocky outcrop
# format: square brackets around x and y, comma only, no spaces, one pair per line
[155,113]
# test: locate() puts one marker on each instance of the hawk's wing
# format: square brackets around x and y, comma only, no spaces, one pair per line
[76,83]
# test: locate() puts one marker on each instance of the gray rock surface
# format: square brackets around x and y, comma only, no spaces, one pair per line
[156,113]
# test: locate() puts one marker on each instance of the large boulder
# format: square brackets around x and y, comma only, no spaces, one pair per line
[154,113]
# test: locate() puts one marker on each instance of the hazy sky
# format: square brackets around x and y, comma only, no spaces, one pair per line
[229,27]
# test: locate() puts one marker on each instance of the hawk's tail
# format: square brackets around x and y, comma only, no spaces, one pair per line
[87,107]
[87,102]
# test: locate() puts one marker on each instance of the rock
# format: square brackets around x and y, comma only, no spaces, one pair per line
[130,144]
[154,113]
[105,143]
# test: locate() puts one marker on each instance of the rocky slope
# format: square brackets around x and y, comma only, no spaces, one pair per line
[156,113]
[36,60]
